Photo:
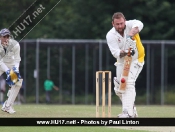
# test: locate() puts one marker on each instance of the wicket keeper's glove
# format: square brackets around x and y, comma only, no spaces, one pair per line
[12,76]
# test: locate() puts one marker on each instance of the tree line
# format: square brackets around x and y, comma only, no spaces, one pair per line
[92,19]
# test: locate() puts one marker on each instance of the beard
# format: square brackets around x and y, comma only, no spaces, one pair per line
[120,30]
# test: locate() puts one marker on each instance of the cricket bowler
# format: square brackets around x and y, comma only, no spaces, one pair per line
[123,37]
[9,63]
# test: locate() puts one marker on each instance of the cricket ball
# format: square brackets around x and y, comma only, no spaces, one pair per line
[123,80]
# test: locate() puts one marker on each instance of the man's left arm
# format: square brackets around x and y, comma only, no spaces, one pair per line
[136,27]
[13,74]
[17,57]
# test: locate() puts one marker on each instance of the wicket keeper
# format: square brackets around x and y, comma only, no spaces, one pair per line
[125,35]
[9,63]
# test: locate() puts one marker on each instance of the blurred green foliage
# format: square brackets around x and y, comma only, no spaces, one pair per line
[92,19]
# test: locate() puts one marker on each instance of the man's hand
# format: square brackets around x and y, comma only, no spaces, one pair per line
[9,80]
[122,53]
[13,76]
[132,51]
[56,88]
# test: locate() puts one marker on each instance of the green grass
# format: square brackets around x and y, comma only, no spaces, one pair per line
[34,110]
[84,111]
[64,129]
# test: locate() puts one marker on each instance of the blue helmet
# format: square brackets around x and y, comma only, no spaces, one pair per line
[4,32]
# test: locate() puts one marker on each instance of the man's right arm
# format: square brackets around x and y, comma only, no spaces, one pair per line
[113,45]
[122,53]
[3,66]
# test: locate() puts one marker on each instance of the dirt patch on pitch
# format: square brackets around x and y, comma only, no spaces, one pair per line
[151,129]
